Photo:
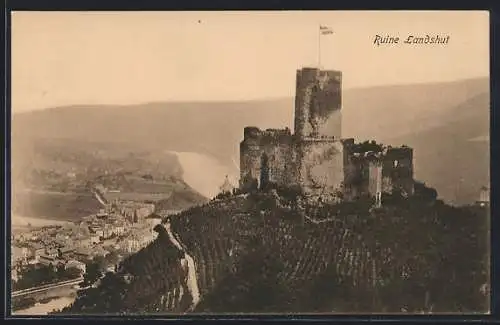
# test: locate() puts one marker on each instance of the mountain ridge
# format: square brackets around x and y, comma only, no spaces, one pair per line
[480,79]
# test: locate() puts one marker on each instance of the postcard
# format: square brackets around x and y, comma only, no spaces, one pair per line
[250,162]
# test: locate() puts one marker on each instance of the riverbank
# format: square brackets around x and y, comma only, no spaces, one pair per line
[45,308]
[20,222]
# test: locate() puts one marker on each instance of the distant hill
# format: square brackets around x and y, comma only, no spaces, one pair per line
[438,119]
[454,157]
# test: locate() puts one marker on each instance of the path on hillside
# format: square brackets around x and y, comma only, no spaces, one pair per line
[192,281]
[98,196]
[319,221]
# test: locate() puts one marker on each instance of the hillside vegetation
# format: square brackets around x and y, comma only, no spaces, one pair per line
[261,252]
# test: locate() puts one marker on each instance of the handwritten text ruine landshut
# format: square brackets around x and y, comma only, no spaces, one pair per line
[427,39]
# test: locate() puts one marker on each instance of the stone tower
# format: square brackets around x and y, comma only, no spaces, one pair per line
[318,103]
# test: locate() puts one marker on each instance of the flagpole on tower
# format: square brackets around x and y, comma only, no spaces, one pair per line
[319,47]
[323,30]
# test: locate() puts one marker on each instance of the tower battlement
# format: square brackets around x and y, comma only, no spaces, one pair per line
[252,132]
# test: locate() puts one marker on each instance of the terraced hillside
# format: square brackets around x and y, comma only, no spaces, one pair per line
[259,253]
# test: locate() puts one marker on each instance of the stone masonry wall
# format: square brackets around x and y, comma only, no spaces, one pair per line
[321,166]
[318,103]
[375,178]
[276,146]
[397,169]
[280,160]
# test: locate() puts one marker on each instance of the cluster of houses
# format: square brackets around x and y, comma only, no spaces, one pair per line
[100,228]
[132,211]
[139,239]
[36,253]
[122,227]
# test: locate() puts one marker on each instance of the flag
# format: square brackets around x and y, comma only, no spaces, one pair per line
[324,30]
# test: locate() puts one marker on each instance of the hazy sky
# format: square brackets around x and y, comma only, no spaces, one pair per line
[66,58]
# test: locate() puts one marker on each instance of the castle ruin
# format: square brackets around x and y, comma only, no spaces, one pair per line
[315,157]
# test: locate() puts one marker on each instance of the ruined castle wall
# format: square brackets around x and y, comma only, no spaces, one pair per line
[318,103]
[397,169]
[276,145]
[374,177]
[386,184]
[250,163]
[352,171]
[361,186]
[250,157]
[279,153]
[321,166]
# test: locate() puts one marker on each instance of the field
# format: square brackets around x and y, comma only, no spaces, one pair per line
[52,205]
[136,188]
[137,196]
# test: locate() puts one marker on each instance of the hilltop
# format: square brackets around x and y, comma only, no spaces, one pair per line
[432,118]
[260,252]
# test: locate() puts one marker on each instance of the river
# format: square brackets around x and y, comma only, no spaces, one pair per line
[194,164]
[21,221]
[44,309]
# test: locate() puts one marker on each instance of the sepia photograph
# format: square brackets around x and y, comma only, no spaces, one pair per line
[250,162]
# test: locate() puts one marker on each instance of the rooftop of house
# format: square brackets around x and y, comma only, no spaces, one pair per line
[83,251]
[153,216]
[100,251]
[67,249]
[37,246]
[50,258]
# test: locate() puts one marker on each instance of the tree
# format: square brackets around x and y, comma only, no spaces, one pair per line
[92,274]
[254,185]
[424,194]
[147,177]
[72,273]
[60,271]
[112,258]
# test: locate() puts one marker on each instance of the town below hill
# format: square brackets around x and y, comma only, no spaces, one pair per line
[51,254]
